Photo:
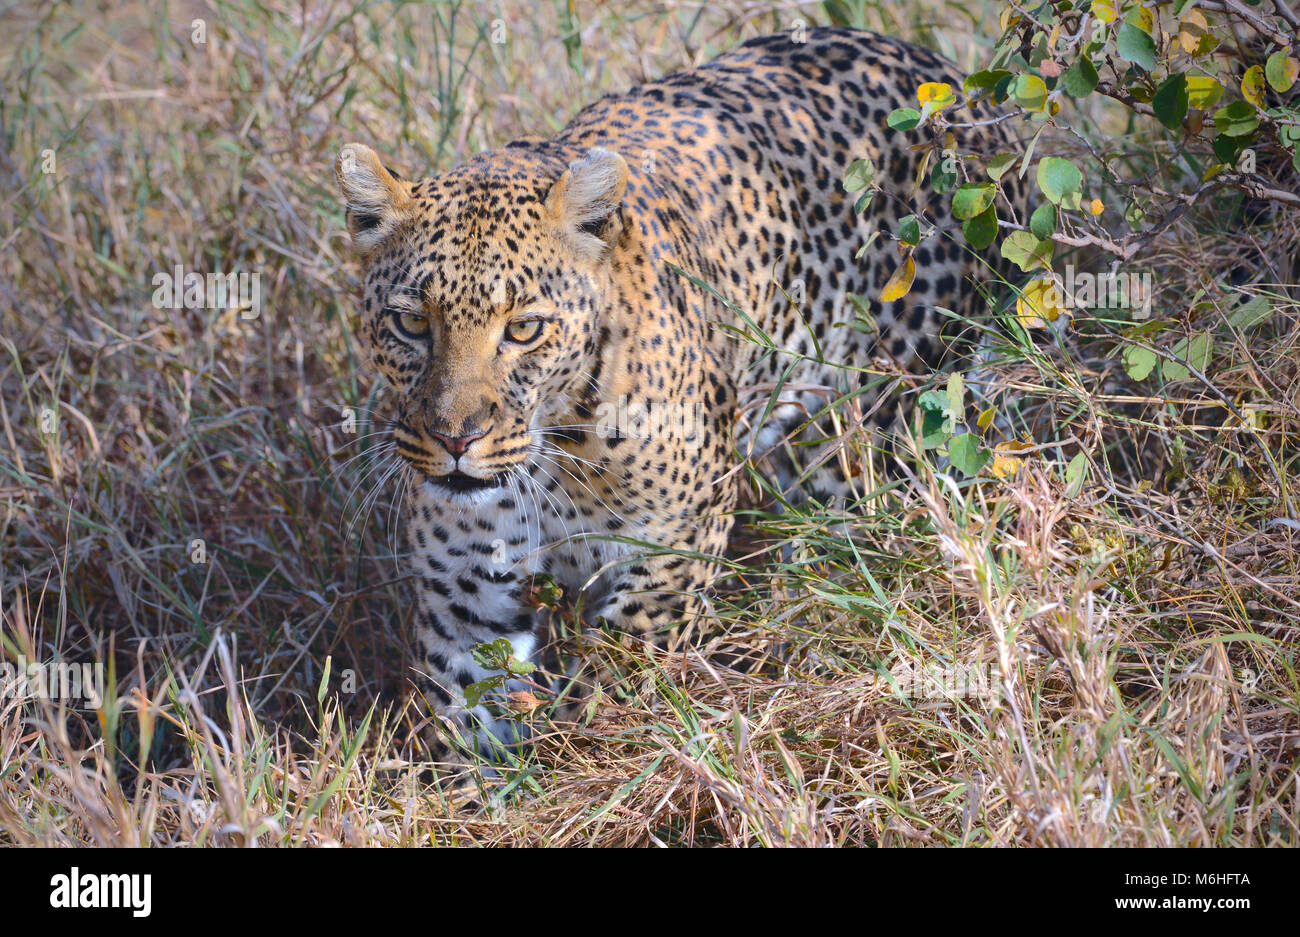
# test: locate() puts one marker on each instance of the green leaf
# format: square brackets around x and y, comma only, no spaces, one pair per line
[492,655]
[1170,102]
[1080,78]
[1043,221]
[1195,351]
[860,175]
[985,80]
[1075,474]
[966,454]
[1139,362]
[933,400]
[1228,149]
[1002,90]
[1251,313]
[1000,164]
[982,229]
[1236,119]
[1137,47]
[1059,178]
[955,394]
[499,655]
[972,199]
[1203,91]
[1028,158]
[1134,215]
[476,691]
[934,431]
[1026,251]
[1279,72]
[871,238]
[905,118]
[1030,92]
[937,421]
[943,180]
[1140,17]
[909,230]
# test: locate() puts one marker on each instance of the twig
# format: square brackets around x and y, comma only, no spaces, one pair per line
[1260,26]
[1255,186]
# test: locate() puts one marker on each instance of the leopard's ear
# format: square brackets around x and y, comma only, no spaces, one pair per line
[374,196]
[585,200]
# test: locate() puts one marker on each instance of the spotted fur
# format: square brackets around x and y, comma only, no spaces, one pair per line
[728,175]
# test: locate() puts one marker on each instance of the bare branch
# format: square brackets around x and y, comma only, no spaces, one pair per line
[1256,187]
[1263,27]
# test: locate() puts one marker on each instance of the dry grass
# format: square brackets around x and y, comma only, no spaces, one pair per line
[1132,643]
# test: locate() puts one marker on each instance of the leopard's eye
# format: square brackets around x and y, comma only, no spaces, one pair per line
[411,324]
[524,331]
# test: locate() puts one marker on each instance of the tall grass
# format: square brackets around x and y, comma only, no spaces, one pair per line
[1025,660]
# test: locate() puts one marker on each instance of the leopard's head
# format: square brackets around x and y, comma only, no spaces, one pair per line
[484,291]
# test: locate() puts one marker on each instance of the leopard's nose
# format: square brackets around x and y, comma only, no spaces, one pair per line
[456,445]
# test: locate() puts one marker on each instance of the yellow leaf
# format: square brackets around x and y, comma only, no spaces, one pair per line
[1142,18]
[922,173]
[1004,466]
[937,93]
[900,282]
[1056,34]
[1292,67]
[1031,93]
[1192,30]
[1104,10]
[1096,207]
[1039,303]
[1203,91]
[1251,417]
[1007,459]
[985,419]
[1252,85]
[1009,18]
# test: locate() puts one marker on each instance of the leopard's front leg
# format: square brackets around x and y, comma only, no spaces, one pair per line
[650,603]
[653,598]
[470,557]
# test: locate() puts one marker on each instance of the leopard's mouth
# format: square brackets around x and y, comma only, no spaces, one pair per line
[459,482]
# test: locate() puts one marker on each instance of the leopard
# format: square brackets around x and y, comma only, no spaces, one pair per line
[676,249]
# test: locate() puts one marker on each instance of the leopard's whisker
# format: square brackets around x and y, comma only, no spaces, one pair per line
[368,503]
[380,454]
